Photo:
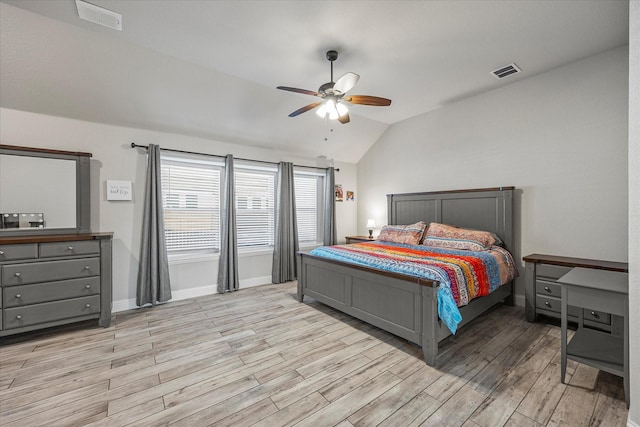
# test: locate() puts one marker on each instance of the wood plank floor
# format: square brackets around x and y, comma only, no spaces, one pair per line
[259,358]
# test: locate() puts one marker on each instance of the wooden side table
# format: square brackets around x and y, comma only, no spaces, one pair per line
[358,239]
[603,290]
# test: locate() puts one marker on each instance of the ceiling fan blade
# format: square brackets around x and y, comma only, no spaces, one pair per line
[346,82]
[344,119]
[295,89]
[305,109]
[367,100]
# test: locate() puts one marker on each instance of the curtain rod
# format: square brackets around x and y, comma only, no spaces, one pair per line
[146,147]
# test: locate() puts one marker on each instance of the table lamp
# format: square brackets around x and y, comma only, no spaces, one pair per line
[371,224]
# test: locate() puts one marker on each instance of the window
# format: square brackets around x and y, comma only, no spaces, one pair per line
[191,202]
[255,214]
[309,207]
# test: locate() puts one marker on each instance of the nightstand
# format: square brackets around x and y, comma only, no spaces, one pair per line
[607,291]
[358,239]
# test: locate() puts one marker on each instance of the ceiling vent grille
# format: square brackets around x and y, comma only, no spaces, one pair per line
[99,15]
[505,71]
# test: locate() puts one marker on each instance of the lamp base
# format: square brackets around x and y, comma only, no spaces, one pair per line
[371,234]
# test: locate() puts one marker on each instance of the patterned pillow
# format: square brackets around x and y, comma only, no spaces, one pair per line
[407,234]
[450,237]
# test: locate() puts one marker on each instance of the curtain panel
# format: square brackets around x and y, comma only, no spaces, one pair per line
[228,280]
[286,230]
[153,284]
[330,235]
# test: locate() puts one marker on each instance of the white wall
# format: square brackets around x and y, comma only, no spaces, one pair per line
[113,159]
[634,209]
[559,137]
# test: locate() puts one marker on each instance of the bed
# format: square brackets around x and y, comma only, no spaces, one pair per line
[403,305]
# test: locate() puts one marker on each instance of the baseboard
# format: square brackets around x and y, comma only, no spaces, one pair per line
[631,423]
[519,300]
[177,295]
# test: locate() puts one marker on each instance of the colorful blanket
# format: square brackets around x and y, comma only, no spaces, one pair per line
[463,275]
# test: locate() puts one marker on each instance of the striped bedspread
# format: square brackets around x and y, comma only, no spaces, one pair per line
[463,275]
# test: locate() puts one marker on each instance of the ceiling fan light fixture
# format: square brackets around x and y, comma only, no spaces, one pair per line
[342,109]
[322,110]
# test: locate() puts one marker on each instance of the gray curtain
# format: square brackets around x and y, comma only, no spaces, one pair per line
[330,235]
[286,227]
[153,272]
[228,280]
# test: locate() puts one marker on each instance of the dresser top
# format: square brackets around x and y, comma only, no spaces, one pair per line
[44,238]
[577,262]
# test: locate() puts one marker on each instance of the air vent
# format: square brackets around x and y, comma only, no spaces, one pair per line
[99,15]
[505,71]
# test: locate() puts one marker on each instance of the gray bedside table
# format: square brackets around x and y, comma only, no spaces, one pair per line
[602,290]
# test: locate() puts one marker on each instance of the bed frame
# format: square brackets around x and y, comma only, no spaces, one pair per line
[407,306]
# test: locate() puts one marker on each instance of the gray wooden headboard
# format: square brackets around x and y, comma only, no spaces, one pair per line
[488,209]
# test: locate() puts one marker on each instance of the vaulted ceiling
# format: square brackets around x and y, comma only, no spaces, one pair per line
[210,68]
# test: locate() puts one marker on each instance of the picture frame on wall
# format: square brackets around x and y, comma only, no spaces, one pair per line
[339,193]
[350,196]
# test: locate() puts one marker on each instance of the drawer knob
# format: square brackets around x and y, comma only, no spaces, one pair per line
[18,274]
[1,253]
[594,314]
[18,296]
[87,286]
[19,317]
[547,304]
[88,305]
[87,267]
[546,288]
[70,248]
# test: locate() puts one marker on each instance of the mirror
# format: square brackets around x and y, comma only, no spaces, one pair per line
[43,191]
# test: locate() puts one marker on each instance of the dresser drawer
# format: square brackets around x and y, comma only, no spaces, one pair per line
[548,288]
[50,311]
[22,251]
[551,271]
[80,247]
[15,296]
[22,274]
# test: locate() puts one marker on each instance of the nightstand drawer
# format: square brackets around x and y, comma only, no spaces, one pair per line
[15,296]
[597,316]
[50,311]
[22,274]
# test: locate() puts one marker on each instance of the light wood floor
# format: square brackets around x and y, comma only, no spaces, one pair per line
[258,357]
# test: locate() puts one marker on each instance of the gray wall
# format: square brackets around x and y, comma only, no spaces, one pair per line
[560,137]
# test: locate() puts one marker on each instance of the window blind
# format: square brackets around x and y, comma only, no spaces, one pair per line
[191,202]
[307,208]
[255,213]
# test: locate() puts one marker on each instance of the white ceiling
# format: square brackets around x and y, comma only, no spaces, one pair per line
[210,68]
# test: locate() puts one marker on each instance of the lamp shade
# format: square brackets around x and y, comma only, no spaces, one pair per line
[371,223]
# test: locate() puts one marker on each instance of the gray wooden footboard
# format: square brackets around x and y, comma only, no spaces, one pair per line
[404,306]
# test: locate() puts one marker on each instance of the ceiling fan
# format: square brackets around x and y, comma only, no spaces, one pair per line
[334,96]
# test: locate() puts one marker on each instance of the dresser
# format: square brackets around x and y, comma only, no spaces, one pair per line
[50,280]
[543,293]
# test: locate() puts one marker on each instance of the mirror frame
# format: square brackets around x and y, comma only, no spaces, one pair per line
[83,190]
